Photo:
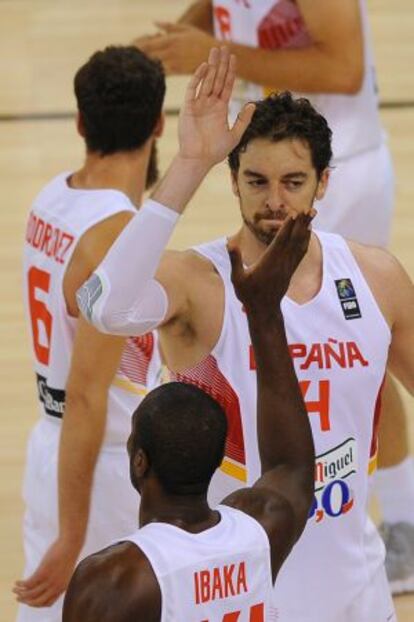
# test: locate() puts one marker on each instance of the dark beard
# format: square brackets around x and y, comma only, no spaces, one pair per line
[265,237]
[153,170]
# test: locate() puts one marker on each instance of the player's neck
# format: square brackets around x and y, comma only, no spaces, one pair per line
[252,249]
[125,172]
[306,280]
[189,512]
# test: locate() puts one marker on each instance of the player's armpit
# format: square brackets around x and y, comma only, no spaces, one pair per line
[393,291]
[401,353]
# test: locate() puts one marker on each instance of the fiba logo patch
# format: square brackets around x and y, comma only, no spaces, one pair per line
[347,298]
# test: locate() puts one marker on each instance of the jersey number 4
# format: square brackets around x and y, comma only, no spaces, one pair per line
[41,319]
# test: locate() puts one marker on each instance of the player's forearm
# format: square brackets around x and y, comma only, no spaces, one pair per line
[183,177]
[312,69]
[200,15]
[83,429]
[284,433]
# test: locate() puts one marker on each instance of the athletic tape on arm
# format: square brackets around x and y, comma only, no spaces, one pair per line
[122,297]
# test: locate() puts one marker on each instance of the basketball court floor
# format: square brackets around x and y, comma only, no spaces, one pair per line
[43,42]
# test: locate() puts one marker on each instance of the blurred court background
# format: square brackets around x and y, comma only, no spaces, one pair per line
[42,43]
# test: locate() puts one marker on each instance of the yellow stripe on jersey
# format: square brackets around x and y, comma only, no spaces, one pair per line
[373,463]
[268,90]
[234,470]
[128,385]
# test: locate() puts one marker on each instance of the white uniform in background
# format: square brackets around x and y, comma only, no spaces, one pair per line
[339,344]
[59,217]
[359,200]
[222,573]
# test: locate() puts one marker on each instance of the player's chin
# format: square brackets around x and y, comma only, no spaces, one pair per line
[266,237]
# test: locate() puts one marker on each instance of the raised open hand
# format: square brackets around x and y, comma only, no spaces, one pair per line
[263,285]
[203,129]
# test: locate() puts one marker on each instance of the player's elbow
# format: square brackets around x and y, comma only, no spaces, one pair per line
[90,304]
[349,76]
[85,400]
[342,73]
[305,499]
[353,81]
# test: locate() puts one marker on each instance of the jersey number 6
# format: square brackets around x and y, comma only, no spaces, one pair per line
[39,313]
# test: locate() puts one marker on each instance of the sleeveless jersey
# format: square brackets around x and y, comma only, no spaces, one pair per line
[278,24]
[221,574]
[339,343]
[60,215]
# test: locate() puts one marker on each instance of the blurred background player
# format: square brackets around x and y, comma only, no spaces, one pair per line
[188,561]
[320,48]
[76,489]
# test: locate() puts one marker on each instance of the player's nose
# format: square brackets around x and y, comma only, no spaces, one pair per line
[274,200]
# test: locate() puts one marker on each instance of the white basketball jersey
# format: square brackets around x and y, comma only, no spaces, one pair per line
[222,574]
[339,344]
[276,24]
[60,215]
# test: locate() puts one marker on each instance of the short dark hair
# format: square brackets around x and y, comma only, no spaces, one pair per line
[281,116]
[182,430]
[120,92]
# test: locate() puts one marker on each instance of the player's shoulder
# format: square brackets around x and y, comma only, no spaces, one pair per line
[384,274]
[274,513]
[119,576]
[188,263]
[98,238]
[382,270]
[376,260]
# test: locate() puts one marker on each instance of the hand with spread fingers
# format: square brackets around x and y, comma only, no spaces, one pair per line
[180,47]
[203,129]
[263,285]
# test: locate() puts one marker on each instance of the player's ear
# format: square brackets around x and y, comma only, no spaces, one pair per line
[323,184]
[141,463]
[79,124]
[234,183]
[159,127]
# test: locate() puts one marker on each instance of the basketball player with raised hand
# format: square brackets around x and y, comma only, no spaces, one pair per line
[76,487]
[188,561]
[321,48]
[348,311]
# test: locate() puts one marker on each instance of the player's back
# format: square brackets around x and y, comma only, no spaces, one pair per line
[220,574]
[59,217]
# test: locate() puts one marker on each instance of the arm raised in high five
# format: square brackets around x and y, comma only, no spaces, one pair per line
[123,296]
[280,499]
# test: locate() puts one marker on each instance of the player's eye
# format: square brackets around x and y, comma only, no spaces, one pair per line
[255,183]
[293,184]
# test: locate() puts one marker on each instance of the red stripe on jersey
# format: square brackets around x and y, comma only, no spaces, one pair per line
[136,358]
[207,376]
[283,27]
